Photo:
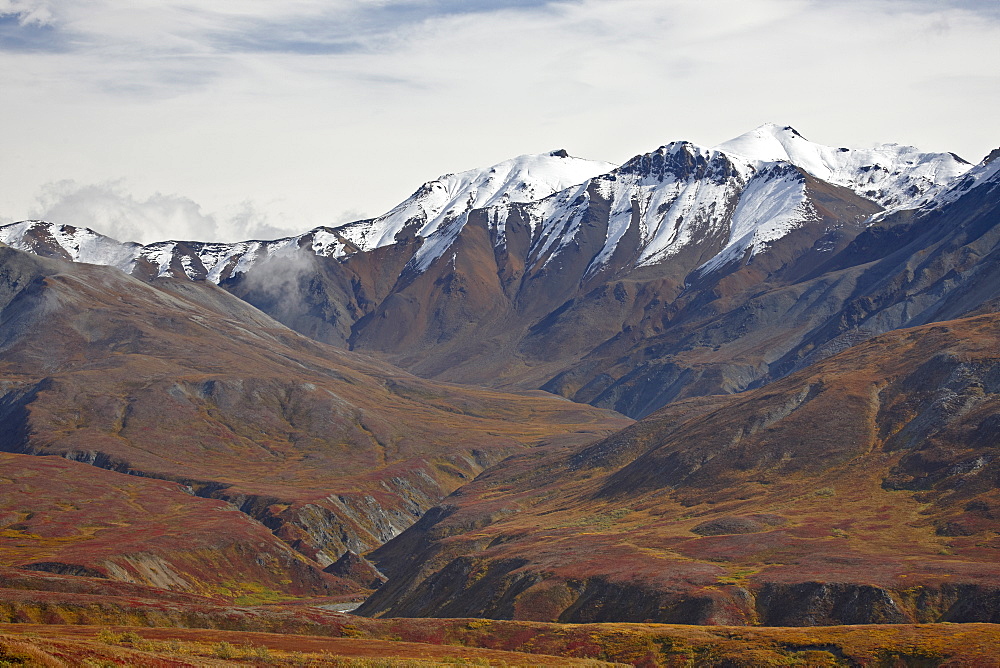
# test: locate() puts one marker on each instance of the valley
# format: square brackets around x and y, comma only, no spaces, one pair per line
[711,403]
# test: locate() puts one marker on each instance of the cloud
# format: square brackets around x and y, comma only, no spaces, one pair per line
[279,283]
[110,209]
[303,27]
[157,51]
[985,8]
[248,221]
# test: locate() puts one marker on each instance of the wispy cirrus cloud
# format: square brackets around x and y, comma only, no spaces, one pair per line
[171,47]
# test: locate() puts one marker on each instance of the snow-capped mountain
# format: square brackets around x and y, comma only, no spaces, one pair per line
[678,195]
[749,191]
[744,193]
[617,286]
[436,212]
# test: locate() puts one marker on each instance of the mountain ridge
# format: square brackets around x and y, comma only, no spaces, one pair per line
[614,291]
[524,179]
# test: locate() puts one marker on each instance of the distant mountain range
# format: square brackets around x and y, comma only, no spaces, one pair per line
[808,336]
[625,287]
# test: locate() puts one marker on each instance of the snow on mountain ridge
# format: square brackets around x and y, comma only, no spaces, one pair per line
[439,209]
[739,194]
[679,194]
[78,244]
[897,177]
[746,190]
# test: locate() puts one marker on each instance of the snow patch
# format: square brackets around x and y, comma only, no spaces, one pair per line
[771,206]
[897,177]
[986,172]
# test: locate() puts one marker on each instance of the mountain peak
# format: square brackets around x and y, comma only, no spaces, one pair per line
[893,175]
[766,143]
[777,129]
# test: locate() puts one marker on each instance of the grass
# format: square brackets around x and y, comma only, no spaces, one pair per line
[739,576]
[252,593]
[605,520]
[424,642]
[132,647]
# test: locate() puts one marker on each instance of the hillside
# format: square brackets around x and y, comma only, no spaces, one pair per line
[862,489]
[808,335]
[329,450]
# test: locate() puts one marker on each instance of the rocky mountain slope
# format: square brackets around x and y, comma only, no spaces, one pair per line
[809,333]
[747,326]
[329,450]
[557,273]
[862,489]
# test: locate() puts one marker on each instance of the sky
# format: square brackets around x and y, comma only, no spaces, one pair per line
[236,119]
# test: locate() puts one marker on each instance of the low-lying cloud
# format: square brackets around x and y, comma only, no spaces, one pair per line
[110,209]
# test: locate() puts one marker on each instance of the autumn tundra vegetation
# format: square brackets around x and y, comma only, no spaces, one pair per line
[532,429]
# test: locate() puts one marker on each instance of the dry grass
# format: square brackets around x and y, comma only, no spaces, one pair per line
[82,646]
[391,643]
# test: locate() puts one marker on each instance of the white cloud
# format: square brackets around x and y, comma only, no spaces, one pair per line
[312,109]
[111,210]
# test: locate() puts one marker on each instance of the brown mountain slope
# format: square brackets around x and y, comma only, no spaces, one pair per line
[182,381]
[562,294]
[862,489]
